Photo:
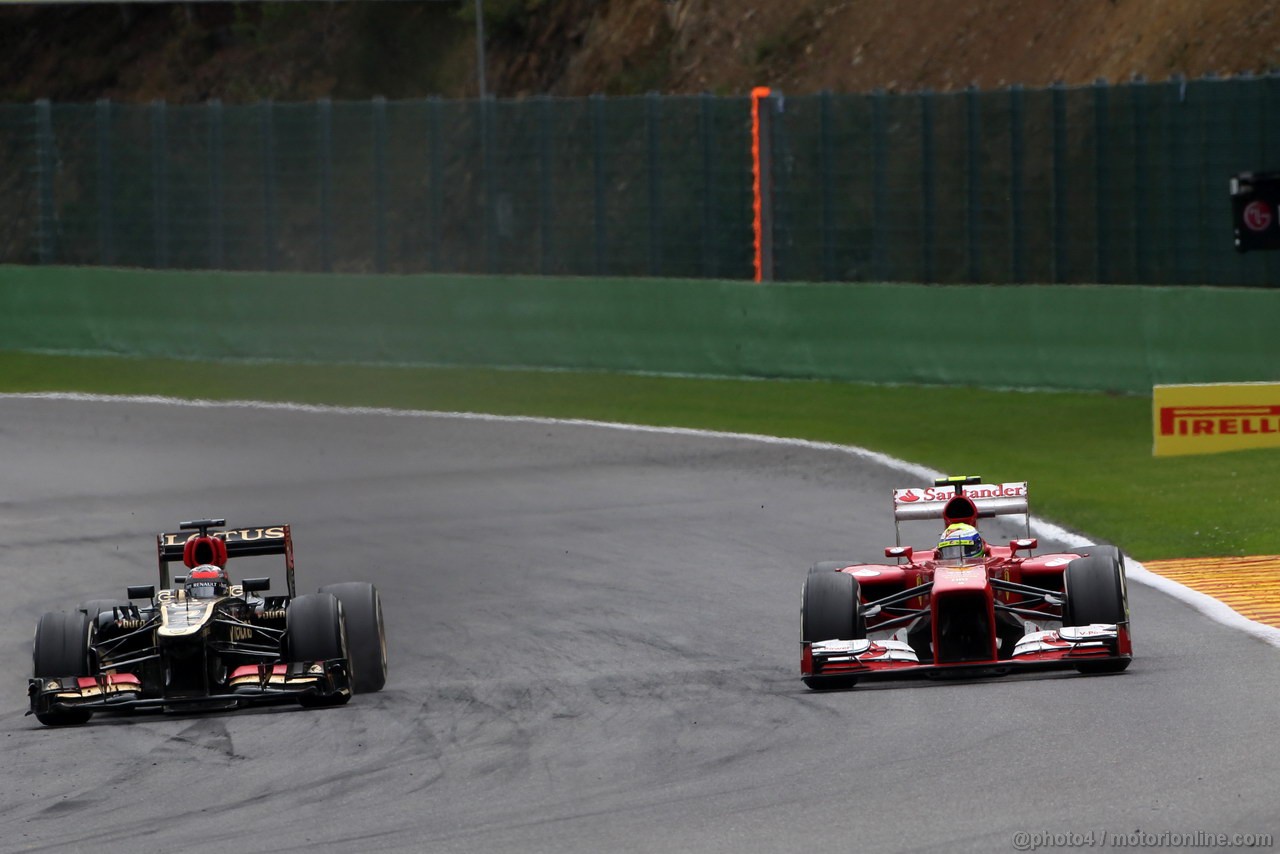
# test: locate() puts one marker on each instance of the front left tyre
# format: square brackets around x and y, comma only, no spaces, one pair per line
[366,635]
[1094,592]
[315,631]
[61,650]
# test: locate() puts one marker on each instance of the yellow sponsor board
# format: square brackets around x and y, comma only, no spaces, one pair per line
[1210,419]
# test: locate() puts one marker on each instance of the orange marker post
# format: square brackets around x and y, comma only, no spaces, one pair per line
[758,94]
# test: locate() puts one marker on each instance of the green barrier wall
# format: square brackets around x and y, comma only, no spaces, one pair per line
[1070,337]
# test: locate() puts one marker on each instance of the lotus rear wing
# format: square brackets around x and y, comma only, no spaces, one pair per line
[241,542]
[960,499]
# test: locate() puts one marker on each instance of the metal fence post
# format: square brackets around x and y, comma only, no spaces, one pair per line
[879,185]
[543,108]
[217,238]
[102,127]
[1175,142]
[1210,114]
[1138,106]
[435,167]
[1265,90]
[1101,180]
[160,181]
[1017,159]
[488,183]
[1269,106]
[380,183]
[652,118]
[46,221]
[706,127]
[826,178]
[928,194]
[973,225]
[1058,252]
[268,185]
[597,151]
[324,130]
[1269,112]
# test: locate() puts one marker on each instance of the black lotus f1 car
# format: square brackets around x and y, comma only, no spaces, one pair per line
[204,642]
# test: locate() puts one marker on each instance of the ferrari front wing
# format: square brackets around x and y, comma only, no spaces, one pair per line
[1064,647]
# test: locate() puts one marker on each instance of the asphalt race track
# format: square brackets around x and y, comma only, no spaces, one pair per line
[594,648]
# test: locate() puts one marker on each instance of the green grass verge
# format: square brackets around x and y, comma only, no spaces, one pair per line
[1087,456]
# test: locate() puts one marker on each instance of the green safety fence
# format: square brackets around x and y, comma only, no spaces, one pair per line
[1089,184]
[621,186]
[1095,184]
[1121,338]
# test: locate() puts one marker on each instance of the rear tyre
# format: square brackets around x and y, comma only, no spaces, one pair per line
[829,611]
[366,635]
[62,649]
[1095,592]
[315,631]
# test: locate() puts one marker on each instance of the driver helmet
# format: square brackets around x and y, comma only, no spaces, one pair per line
[961,542]
[207,582]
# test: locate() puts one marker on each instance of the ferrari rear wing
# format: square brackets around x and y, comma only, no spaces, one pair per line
[961,499]
[241,542]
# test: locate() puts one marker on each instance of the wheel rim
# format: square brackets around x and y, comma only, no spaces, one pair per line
[382,636]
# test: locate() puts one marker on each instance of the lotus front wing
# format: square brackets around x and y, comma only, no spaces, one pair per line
[245,685]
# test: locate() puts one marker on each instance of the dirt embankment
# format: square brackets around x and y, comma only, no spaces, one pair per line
[289,51]
[860,45]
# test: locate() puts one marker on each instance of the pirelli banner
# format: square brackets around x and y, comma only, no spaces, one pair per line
[1211,419]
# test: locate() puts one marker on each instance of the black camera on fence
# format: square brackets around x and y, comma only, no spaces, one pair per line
[1255,210]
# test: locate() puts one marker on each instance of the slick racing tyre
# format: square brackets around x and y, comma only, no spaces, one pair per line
[315,631]
[829,611]
[366,636]
[62,649]
[1094,592]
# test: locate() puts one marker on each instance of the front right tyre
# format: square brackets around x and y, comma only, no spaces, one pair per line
[829,610]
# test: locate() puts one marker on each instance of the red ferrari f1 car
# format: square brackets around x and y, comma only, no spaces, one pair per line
[204,642]
[983,608]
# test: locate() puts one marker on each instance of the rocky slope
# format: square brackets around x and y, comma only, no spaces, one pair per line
[302,50]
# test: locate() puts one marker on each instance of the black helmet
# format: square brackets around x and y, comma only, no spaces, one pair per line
[207,582]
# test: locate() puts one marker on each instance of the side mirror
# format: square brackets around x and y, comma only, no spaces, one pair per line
[179,579]
[142,591]
[1024,545]
[256,585]
[898,551]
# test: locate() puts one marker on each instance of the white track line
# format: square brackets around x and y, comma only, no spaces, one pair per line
[1207,605]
